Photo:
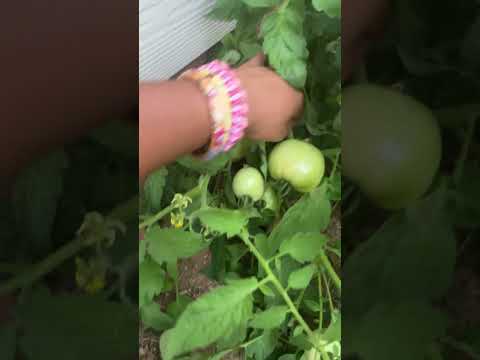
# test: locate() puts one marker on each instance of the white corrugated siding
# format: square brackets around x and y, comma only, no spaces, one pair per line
[173,33]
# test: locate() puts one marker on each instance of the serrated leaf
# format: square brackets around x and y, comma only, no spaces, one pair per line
[304,247]
[36,194]
[263,346]
[299,279]
[271,318]
[331,7]
[169,245]
[285,44]
[211,317]
[152,278]
[226,9]
[224,221]
[152,317]
[310,214]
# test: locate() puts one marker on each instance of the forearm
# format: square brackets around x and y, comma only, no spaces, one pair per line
[174,121]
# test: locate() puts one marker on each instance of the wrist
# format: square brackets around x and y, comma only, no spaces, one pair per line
[199,104]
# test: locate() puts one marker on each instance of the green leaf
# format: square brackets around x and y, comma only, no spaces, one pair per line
[152,279]
[261,3]
[331,7]
[304,247]
[285,44]
[411,256]
[169,245]
[211,317]
[153,189]
[271,318]
[210,167]
[8,340]
[226,9]
[385,329]
[300,279]
[310,214]
[263,346]
[224,221]
[36,196]
[153,317]
[77,328]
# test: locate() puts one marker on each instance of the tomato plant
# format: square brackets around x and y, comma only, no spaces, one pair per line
[411,165]
[270,285]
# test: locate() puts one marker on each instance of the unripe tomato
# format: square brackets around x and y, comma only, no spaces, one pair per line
[249,182]
[271,199]
[299,163]
[391,144]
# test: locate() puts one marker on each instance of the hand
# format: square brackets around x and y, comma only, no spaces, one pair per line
[362,21]
[273,103]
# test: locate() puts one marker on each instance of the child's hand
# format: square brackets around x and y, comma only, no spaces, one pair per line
[273,103]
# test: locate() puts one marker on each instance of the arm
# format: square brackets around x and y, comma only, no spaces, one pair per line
[175,120]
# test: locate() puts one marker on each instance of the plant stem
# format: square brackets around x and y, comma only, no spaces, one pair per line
[330,301]
[264,264]
[320,295]
[204,191]
[196,191]
[464,152]
[331,271]
[124,212]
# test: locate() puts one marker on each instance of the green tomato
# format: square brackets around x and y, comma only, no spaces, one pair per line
[391,144]
[299,163]
[271,199]
[249,182]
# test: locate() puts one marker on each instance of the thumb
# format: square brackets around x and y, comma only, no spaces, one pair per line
[257,60]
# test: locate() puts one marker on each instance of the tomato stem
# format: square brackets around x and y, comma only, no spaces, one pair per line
[330,270]
[272,278]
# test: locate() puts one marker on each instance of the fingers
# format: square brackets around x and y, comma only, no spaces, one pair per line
[257,60]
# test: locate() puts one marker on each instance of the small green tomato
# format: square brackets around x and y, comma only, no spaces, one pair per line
[249,182]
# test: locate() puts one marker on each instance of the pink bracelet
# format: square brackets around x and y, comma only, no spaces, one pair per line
[227,104]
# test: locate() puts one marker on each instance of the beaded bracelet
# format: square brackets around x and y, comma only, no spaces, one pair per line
[227,102]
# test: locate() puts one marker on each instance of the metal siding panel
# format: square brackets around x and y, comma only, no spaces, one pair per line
[173,33]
